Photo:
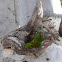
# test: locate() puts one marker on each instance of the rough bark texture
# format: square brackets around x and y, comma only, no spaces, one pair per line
[12,45]
[60,29]
[16,40]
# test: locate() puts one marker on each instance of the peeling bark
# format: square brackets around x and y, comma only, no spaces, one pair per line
[16,39]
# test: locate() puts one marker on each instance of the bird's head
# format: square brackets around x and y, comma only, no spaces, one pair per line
[40,34]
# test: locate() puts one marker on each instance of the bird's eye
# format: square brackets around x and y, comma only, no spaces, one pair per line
[36,31]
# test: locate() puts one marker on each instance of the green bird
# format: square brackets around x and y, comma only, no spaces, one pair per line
[36,42]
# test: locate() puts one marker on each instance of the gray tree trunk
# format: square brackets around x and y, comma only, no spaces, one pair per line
[17,13]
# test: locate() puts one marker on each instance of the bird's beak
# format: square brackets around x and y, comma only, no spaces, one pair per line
[41,34]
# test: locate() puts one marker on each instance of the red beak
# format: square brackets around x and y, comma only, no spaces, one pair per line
[41,34]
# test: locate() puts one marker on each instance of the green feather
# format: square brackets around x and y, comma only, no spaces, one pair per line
[36,42]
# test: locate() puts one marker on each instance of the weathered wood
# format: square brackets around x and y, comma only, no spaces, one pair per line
[7,17]
[16,39]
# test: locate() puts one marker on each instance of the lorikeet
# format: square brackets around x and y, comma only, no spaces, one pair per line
[36,42]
